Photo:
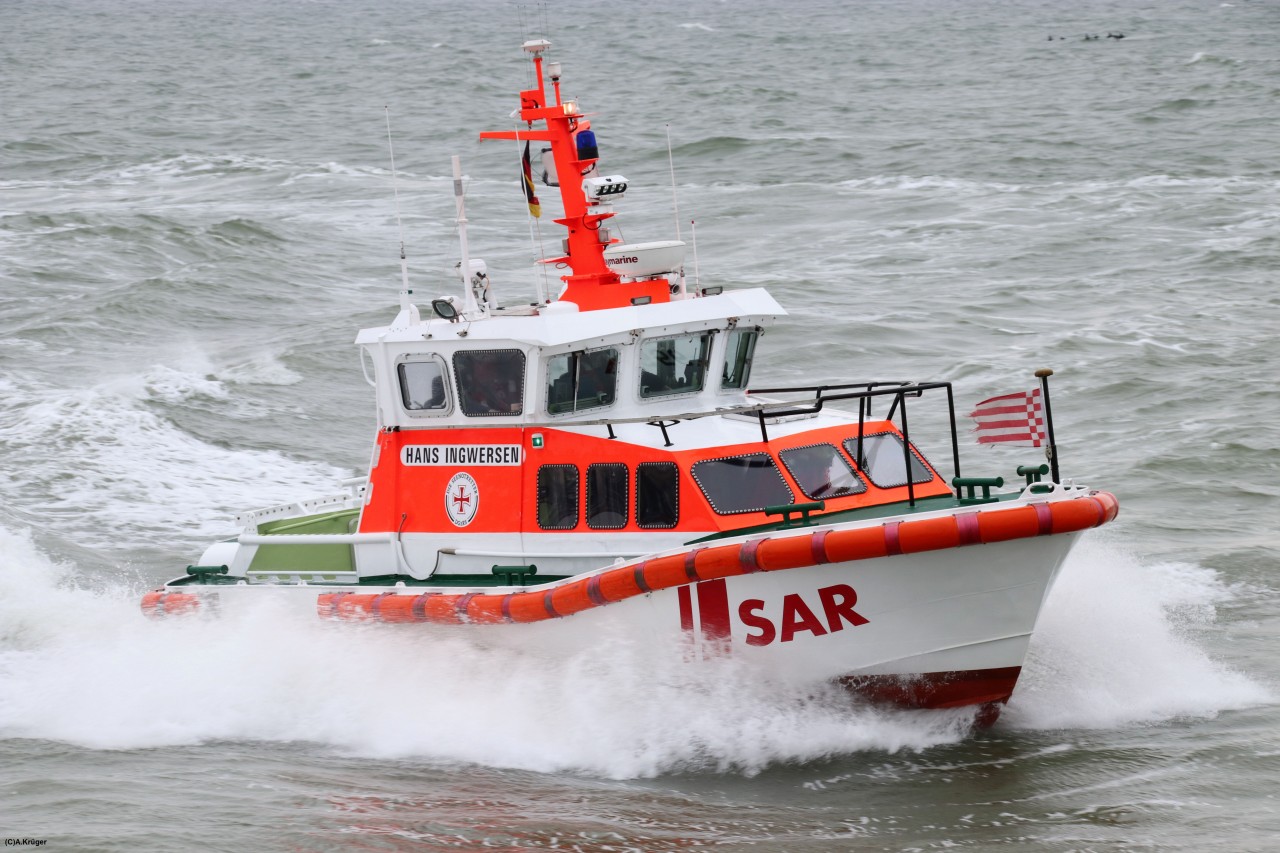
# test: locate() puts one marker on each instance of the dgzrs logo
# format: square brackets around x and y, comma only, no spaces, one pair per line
[462,498]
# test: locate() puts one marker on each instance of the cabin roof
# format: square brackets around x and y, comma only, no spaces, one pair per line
[555,326]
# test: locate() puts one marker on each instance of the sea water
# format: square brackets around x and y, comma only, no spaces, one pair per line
[197,211]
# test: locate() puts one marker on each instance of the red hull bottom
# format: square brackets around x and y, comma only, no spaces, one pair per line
[988,688]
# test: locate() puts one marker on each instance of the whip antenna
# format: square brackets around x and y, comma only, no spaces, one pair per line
[675,200]
[395,191]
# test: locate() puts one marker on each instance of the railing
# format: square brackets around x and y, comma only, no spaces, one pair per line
[863,392]
[899,391]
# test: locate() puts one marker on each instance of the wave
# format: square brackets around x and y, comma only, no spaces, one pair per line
[241,231]
[1202,58]
[225,170]
[908,183]
[192,166]
[105,464]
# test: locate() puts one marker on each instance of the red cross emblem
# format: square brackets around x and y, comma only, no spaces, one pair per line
[461,498]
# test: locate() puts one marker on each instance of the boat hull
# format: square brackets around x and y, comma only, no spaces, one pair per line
[934,611]
[941,629]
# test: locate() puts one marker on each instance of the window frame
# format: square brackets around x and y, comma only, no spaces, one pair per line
[730,351]
[693,471]
[844,460]
[577,497]
[445,377]
[626,496]
[664,464]
[546,380]
[461,386]
[850,444]
[708,334]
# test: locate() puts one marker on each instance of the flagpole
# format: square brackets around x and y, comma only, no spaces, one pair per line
[1043,375]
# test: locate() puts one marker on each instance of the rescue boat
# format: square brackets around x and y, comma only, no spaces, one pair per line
[597,461]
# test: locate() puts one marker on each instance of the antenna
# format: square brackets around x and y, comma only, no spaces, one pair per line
[693,228]
[459,202]
[675,200]
[531,27]
[395,190]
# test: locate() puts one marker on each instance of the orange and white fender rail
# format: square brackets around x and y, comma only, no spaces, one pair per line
[161,602]
[764,554]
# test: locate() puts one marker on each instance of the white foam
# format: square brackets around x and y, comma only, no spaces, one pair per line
[1117,648]
[260,369]
[89,669]
[128,474]
[916,183]
[1123,642]
[172,385]
[183,167]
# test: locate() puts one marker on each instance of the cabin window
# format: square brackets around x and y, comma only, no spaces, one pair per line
[422,386]
[821,472]
[742,483]
[585,379]
[657,494]
[607,487]
[737,359]
[490,382]
[676,365]
[882,460]
[558,497]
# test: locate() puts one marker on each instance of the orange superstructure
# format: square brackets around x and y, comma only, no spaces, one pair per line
[404,497]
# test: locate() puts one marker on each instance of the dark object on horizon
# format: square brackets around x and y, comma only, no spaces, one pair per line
[1116,36]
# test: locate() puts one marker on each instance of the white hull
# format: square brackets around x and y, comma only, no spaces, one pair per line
[942,618]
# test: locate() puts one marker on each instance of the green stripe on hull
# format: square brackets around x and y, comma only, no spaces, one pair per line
[319,580]
[942,502]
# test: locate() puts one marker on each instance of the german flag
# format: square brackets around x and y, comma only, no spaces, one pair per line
[535,209]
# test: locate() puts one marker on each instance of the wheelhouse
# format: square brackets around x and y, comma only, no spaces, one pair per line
[574,438]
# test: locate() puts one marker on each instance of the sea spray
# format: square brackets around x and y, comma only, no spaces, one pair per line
[105,459]
[1121,642]
[86,668]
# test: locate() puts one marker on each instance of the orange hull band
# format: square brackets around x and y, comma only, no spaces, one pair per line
[158,603]
[723,561]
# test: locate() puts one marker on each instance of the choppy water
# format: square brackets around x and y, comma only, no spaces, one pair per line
[196,214]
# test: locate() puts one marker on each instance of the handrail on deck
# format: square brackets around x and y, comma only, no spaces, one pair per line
[863,392]
[899,390]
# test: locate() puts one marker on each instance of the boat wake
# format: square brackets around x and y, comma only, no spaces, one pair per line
[1118,646]
[1122,642]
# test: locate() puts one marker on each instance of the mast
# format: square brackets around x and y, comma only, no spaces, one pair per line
[591,284]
